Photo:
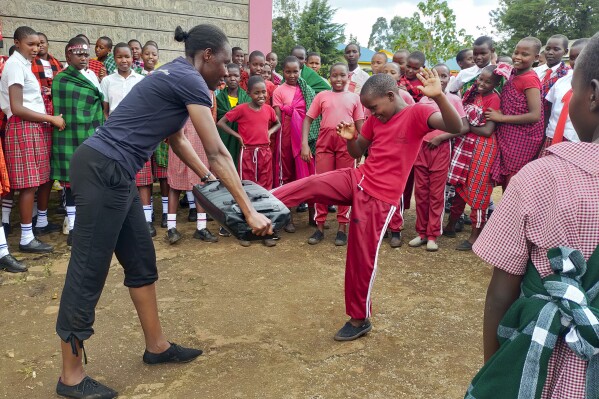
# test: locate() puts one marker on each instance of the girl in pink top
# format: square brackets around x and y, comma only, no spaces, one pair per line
[335,106]
[291,100]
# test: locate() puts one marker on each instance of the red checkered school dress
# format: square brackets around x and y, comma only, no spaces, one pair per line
[477,189]
[27,153]
[517,144]
[144,176]
[180,177]
[551,202]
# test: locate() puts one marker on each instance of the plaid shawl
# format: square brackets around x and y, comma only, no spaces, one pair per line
[223,106]
[161,154]
[96,67]
[563,305]
[412,89]
[314,80]
[560,72]
[309,95]
[80,103]
[110,64]
[38,70]
[464,144]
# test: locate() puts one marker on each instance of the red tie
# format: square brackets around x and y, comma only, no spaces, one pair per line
[558,137]
[547,75]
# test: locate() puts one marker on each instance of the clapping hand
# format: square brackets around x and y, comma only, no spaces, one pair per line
[346,130]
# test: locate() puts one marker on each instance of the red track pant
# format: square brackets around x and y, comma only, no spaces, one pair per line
[331,154]
[430,176]
[369,220]
[255,164]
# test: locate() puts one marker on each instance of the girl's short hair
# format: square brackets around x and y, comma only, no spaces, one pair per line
[201,37]
[254,54]
[107,40]
[253,81]
[120,45]
[343,64]
[22,32]
[289,60]
[134,41]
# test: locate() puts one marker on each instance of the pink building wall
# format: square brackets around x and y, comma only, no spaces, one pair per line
[260,26]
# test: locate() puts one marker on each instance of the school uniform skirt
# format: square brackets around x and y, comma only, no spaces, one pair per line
[27,153]
[144,176]
[180,177]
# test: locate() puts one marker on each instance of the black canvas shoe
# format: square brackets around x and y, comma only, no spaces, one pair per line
[152,229]
[349,332]
[341,239]
[174,354]
[36,247]
[223,232]
[50,228]
[88,388]
[205,235]
[396,240]
[315,238]
[10,264]
[173,235]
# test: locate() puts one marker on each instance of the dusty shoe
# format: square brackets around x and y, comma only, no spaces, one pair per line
[449,233]
[223,232]
[396,240]
[87,388]
[193,215]
[341,239]
[35,246]
[431,246]
[173,235]
[315,238]
[174,354]
[152,229]
[269,242]
[245,243]
[349,332]
[464,246]
[48,229]
[205,235]
[164,221]
[417,242]
[290,228]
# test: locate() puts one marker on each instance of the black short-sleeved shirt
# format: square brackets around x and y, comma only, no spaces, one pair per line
[153,110]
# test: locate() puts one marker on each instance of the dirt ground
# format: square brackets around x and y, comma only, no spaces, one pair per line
[265,318]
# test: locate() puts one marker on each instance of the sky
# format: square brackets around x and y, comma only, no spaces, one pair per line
[360,15]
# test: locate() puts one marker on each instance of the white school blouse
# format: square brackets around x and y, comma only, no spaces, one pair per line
[555,96]
[116,87]
[17,70]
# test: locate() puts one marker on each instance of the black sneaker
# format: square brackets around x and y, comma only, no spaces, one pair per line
[317,237]
[50,228]
[223,232]
[205,235]
[303,207]
[174,354]
[36,247]
[464,246]
[152,229]
[332,209]
[459,225]
[290,228]
[173,235]
[7,228]
[467,220]
[396,240]
[349,332]
[164,221]
[341,239]
[10,264]
[183,202]
[450,234]
[88,388]
[269,242]
[193,215]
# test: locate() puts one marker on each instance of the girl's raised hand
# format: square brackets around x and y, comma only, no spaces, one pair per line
[346,130]
[431,84]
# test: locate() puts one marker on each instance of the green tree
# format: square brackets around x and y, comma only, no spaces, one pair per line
[353,39]
[284,25]
[543,18]
[383,34]
[317,32]
[433,31]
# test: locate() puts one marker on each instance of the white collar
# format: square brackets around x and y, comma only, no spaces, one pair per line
[19,57]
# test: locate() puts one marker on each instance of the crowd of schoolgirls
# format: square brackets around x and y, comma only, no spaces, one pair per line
[282,127]
[413,130]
